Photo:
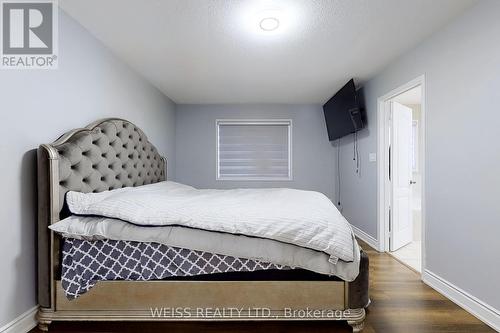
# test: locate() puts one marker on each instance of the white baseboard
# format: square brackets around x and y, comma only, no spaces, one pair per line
[22,324]
[366,238]
[482,311]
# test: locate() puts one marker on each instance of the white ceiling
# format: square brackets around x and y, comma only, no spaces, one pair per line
[410,97]
[211,51]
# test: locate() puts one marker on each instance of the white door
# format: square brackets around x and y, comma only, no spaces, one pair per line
[401,176]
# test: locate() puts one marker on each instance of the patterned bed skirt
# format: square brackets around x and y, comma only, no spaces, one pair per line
[84,263]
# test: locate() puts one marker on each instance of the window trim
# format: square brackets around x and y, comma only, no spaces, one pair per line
[287,122]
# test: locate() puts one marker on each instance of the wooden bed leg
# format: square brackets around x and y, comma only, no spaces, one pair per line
[355,318]
[44,326]
[357,325]
[43,319]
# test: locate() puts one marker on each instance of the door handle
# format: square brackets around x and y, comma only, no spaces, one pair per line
[412,182]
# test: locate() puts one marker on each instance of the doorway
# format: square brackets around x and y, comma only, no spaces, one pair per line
[401,168]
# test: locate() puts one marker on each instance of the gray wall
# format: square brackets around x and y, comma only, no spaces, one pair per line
[37,107]
[358,190]
[313,155]
[462,185]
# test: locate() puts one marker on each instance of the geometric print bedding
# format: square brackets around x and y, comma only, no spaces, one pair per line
[84,263]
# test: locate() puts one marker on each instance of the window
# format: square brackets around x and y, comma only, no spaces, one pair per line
[254,149]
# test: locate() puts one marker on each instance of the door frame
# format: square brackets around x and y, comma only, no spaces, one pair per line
[384,193]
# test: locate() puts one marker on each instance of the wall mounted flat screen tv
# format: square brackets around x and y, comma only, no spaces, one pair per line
[342,112]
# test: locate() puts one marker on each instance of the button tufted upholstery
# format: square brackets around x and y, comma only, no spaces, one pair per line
[109,155]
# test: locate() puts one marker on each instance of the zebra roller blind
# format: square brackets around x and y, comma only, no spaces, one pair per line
[254,150]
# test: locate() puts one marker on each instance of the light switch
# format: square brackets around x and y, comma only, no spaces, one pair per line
[372,157]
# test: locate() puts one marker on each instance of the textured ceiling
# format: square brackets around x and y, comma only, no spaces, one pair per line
[211,51]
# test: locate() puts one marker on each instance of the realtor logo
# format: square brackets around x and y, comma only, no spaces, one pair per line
[29,34]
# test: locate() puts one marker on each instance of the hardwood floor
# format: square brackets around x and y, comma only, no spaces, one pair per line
[400,303]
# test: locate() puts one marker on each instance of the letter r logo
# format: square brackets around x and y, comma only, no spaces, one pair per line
[27,28]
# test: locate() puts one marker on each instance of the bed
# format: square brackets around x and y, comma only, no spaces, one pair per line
[111,154]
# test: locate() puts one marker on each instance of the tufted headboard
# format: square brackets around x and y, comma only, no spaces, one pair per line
[105,155]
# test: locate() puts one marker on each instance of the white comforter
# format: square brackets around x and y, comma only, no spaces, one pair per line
[302,218]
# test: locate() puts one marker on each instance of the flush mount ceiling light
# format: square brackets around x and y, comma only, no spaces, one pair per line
[268,19]
[269,23]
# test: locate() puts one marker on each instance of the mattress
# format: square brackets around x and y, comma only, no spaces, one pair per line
[240,246]
[85,262]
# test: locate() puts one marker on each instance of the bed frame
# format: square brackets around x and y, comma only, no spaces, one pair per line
[113,153]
